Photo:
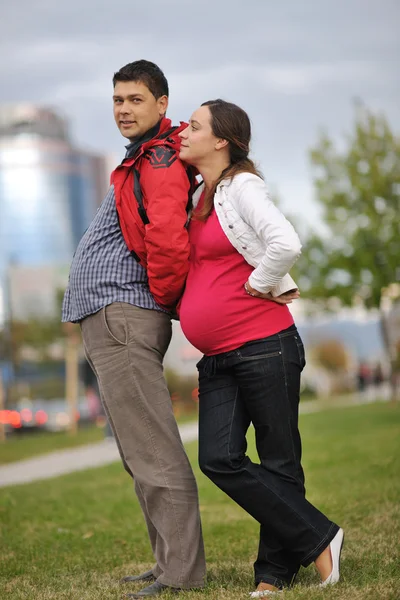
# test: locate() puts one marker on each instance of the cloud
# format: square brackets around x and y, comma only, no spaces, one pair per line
[293,66]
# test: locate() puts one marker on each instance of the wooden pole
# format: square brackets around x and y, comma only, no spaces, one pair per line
[72,378]
[2,425]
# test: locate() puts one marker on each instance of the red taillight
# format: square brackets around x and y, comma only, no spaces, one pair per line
[5,416]
[41,417]
[15,419]
[26,415]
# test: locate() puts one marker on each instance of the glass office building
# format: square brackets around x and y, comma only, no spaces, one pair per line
[49,190]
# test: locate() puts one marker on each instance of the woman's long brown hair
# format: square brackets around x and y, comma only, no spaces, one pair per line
[231,123]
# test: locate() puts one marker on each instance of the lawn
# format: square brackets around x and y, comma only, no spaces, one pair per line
[75,536]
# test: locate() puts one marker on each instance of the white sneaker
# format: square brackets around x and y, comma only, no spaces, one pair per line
[336,549]
[264,593]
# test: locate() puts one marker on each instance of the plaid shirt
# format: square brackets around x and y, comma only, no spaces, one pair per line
[103,270]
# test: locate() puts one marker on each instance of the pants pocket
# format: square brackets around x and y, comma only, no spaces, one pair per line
[301,351]
[115,323]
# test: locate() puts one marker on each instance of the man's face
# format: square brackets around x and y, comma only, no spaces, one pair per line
[135,108]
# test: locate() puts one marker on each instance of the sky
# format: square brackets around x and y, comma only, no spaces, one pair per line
[294,66]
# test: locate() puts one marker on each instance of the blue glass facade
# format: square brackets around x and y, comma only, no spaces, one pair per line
[48,194]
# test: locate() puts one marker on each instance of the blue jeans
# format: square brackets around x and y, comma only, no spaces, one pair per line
[259,383]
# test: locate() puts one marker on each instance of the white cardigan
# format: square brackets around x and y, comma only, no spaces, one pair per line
[258,231]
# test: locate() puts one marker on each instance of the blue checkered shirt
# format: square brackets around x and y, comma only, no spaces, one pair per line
[103,270]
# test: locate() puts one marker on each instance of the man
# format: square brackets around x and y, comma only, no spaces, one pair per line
[126,276]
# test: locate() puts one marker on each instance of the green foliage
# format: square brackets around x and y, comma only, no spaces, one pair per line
[35,333]
[358,190]
[181,387]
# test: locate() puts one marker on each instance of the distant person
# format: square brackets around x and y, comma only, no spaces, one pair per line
[363,376]
[378,377]
[241,248]
[126,276]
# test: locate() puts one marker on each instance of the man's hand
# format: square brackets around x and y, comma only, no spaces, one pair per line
[286,298]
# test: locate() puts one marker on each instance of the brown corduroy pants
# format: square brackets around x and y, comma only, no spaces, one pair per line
[125,346]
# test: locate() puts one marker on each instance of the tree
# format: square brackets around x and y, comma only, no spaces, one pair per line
[332,355]
[34,338]
[181,388]
[37,334]
[358,190]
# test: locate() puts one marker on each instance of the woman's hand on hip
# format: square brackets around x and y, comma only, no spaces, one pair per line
[286,298]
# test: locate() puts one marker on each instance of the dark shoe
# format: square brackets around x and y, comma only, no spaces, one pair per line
[147,576]
[154,589]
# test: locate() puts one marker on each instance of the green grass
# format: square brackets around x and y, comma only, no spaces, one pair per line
[75,536]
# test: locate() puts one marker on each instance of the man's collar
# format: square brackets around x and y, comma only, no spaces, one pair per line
[135,144]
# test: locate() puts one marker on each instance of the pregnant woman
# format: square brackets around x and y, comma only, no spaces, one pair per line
[235,311]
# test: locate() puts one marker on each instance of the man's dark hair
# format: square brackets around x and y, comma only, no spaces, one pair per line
[146,72]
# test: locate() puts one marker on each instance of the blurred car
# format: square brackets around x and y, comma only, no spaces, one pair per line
[46,415]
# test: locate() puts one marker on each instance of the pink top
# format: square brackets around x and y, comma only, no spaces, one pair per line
[216,313]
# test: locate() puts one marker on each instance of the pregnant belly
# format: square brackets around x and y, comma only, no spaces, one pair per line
[220,318]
